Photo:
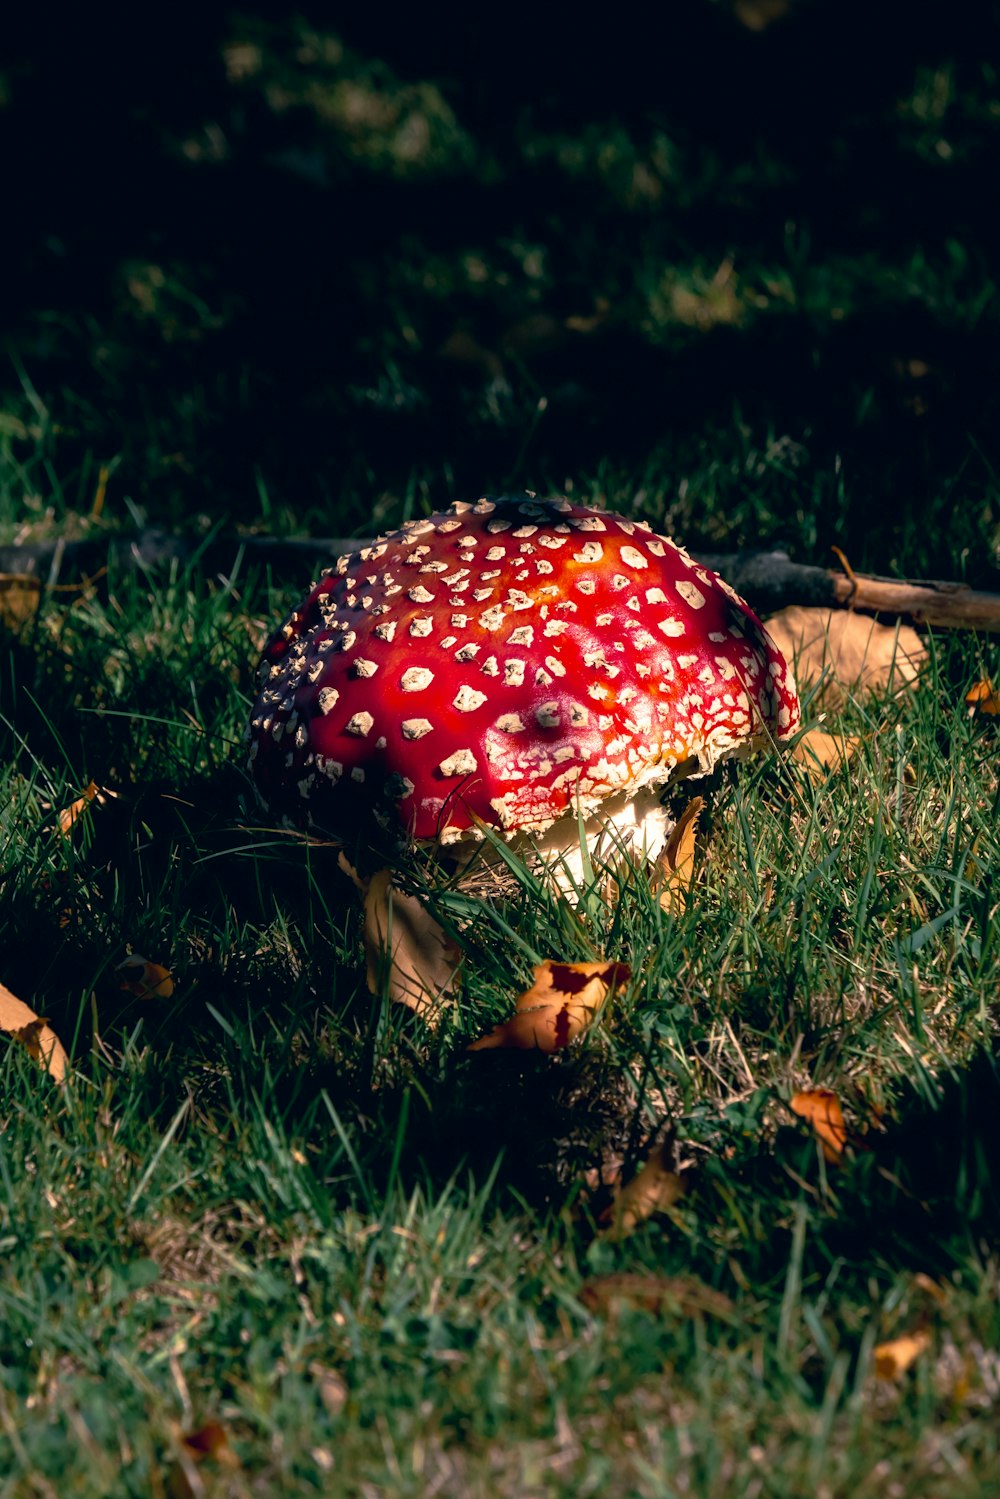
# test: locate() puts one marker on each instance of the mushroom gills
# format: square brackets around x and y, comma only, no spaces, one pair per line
[628,826]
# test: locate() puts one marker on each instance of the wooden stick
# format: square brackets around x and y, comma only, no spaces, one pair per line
[769,580]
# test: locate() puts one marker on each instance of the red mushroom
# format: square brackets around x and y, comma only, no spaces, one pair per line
[513,663]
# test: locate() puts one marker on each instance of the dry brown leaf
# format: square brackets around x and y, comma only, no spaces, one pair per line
[654,1293]
[673,875]
[424,961]
[930,1287]
[91,792]
[593,322]
[821,1108]
[983,697]
[332,1388]
[655,1188]
[144,979]
[847,654]
[559,1006]
[892,1359]
[20,1021]
[462,347]
[206,1446]
[20,595]
[820,754]
[758,15]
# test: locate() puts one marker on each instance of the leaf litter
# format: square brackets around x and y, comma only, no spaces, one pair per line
[563,1001]
[673,873]
[846,655]
[33,1031]
[144,979]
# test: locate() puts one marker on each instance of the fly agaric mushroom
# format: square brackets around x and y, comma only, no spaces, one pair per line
[514,663]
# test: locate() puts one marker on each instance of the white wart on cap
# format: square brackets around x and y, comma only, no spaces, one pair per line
[509,663]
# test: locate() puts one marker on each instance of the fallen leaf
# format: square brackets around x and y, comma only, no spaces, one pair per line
[462,347]
[983,697]
[758,15]
[847,654]
[20,595]
[892,1359]
[20,1021]
[208,1445]
[673,874]
[144,979]
[930,1287]
[655,1188]
[820,754]
[820,1107]
[332,1388]
[654,1293]
[91,792]
[592,322]
[559,1006]
[538,333]
[423,962]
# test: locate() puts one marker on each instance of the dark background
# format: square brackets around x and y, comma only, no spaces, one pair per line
[730,265]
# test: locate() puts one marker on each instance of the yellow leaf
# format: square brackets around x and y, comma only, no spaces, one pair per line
[20,1021]
[674,871]
[558,1007]
[892,1359]
[820,754]
[820,1107]
[847,654]
[423,962]
[20,595]
[983,697]
[91,792]
[146,980]
[654,1189]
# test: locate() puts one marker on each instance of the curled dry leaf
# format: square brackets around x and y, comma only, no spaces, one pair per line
[207,1446]
[558,1007]
[91,792]
[655,1188]
[144,979]
[20,595]
[332,1387]
[983,697]
[673,874]
[650,1292]
[891,1360]
[820,1107]
[820,754]
[930,1287]
[20,1021]
[847,654]
[403,941]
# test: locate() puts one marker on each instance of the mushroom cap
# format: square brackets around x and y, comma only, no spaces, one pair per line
[507,663]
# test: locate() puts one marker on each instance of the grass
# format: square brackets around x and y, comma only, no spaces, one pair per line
[383,265]
[739,282]
[278,1204]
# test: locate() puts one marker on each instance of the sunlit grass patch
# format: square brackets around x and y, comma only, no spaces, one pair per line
[277,1202]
